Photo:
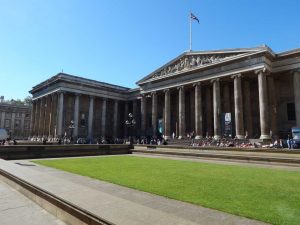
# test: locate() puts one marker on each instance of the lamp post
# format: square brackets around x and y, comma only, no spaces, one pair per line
[130,123]
[71,128]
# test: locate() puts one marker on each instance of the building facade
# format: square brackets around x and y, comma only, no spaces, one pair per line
[252,93]
[16,120]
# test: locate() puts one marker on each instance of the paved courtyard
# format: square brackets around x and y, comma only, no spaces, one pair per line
[119,205]
[16,209]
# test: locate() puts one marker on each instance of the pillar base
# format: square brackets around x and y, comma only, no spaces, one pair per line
[167,138]
[265,136]
[240,136]
[199,137]
[181,137]
[217,137]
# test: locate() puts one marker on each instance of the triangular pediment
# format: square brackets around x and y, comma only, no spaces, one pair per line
[190,61]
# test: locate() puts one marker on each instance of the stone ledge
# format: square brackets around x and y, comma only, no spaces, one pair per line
[48,151]
[60,208]
[248,158]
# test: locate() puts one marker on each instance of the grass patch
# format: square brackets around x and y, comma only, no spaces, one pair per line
[269,195]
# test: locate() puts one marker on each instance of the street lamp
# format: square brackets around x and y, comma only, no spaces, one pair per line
[130,123]
[71,128]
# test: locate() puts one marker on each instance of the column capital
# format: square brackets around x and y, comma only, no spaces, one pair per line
[153,93]
[295,71]
[180,87]
[196,84]
[214,80]
[77,94]
[91,97]
[60,92]
[166,90]
[237,75]
[263,70]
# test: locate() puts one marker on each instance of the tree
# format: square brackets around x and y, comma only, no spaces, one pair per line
[28,100]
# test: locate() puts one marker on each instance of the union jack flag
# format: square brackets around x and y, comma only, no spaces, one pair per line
[194,17]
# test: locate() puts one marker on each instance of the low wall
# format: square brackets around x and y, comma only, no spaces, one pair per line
[52,151]
[236,149]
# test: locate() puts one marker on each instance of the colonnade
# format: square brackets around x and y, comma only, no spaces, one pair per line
[242,115]
[49,116]
[48,111]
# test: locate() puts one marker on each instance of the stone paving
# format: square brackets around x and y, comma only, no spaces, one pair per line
[16,209]
[119,205]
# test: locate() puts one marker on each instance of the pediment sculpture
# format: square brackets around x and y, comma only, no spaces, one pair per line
[192,61]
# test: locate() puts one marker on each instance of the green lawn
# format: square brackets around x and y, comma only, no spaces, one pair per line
[269,195]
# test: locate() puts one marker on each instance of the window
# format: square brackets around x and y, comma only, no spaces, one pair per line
[291,111]
[17,124]
[7,123]
[82,120]
[26,125]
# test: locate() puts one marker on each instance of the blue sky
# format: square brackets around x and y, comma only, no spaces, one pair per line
[120,42]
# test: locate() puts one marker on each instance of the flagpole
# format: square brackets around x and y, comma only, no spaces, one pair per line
[190,32]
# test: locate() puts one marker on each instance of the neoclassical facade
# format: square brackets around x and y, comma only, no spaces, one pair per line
[251,92]
[15,119]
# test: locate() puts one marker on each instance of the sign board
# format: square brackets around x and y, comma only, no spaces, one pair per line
[226,124]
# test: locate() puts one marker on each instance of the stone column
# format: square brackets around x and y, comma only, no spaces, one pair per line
[91,118]
[217,108]
[263,104]
[60,111]
[154,113]
[12,125]
[32,119]
[181,112]
[209,113]
[134,112]
[296,79]
[167,115]
[126,112]
[41,117]
[143,115]
[116,109]
[248,109]
[2,125]
[238,107]
[198,111]
[46,118]
[36,117]
[226,92]
[273,106]
[76,116]
[22,125]
[103,118]
[53,116]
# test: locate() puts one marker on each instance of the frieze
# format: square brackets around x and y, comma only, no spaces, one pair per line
[191,62]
